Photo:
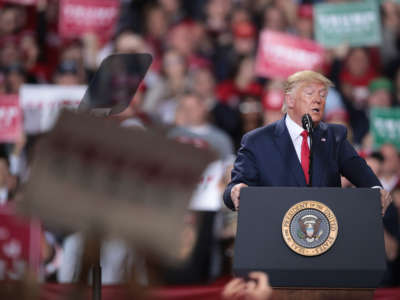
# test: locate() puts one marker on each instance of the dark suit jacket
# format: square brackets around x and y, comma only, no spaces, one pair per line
[267,158]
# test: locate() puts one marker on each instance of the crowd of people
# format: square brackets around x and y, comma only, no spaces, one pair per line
[202,85]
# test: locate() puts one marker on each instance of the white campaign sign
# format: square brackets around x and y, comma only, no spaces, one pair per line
[41,104]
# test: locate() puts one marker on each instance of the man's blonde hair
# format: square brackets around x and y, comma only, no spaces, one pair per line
[303,76]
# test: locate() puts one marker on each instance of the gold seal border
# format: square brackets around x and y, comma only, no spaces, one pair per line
[325,210]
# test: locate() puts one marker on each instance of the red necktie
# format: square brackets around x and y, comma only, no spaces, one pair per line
[305,156]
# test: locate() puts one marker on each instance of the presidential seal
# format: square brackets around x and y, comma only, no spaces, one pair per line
[309,228]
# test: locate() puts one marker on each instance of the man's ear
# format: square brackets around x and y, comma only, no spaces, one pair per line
[289,99]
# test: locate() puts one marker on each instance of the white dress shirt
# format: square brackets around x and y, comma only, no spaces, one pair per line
[295,131]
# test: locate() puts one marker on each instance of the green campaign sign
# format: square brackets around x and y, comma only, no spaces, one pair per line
[385,126]
[355,23]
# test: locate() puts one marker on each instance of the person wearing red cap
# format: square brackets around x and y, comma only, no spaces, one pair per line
[272,102]
[304,23]
[244,38]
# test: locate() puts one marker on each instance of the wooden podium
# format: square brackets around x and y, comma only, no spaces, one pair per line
[314,243]
[326,294]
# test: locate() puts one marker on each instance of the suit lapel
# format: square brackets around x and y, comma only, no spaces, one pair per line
[320,143]
[289,156]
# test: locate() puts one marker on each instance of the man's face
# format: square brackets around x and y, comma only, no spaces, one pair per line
[307,98]
[193,111]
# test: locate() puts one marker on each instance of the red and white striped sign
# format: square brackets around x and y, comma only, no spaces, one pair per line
[280,55]
[10,118]
[41,104]
[79,17]
[19,245]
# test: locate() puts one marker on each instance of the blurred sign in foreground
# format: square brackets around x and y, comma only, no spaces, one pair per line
[80,17]
[385,126]
[10,118]
[280,55]
[21,2]
[356,23]
[20,247]
[89,173]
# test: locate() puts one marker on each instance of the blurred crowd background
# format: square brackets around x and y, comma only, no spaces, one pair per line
[203,87]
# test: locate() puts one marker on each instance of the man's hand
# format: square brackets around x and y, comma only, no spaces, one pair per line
[258,288]
[386,199]
[235,194]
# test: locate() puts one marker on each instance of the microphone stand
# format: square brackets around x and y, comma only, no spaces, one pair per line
[96,274]
[307,123]
[311,159]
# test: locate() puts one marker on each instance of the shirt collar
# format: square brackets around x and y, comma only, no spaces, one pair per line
[294,129]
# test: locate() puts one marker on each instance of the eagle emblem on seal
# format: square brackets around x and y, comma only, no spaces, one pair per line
[309,228]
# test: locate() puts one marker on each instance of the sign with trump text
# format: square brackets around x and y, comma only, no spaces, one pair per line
[385,126]
[41,104]
[280,55]
[19,245]
[356,24]
[80,17]
[10,118]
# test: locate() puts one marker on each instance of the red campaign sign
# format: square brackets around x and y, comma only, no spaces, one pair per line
[22,2]
[10,118]
[19,245]
[280,55]
[78,17]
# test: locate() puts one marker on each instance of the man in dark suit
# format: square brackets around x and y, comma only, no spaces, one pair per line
[278,154]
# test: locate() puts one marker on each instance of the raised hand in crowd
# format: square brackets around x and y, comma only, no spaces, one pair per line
[341,51]
[19,144]
[234,289]
[257,288]
[91,47]
[391,18]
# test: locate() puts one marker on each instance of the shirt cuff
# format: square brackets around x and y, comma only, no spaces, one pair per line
[377,187]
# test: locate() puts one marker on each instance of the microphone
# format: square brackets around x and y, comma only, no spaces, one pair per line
[307,123]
